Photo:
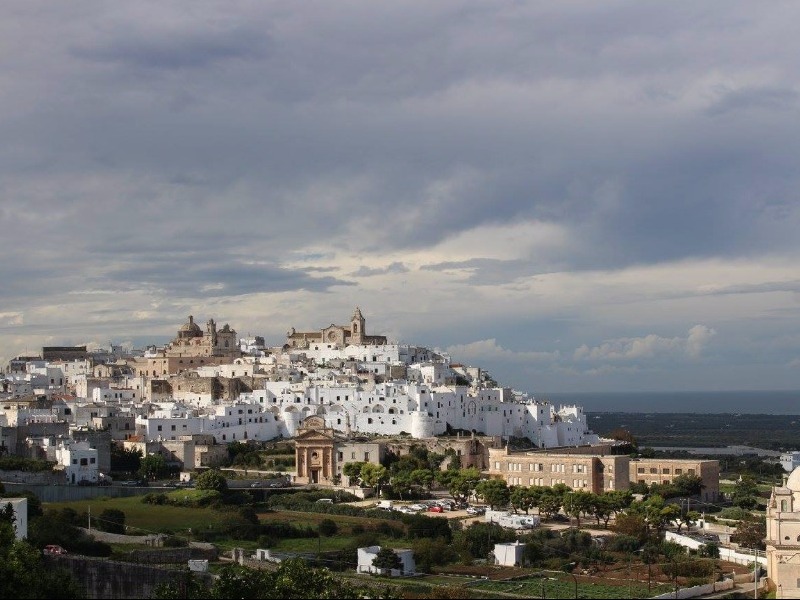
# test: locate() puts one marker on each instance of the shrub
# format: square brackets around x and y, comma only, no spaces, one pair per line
[328,527]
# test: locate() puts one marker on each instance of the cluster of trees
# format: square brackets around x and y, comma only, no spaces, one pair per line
[23,572]
[293,578]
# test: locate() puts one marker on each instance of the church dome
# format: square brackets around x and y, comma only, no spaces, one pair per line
[793,483]
[190,329]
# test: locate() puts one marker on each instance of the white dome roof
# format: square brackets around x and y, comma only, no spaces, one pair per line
[793,483]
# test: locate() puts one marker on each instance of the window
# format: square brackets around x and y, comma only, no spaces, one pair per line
[84,462]
[640,470]
[159,427]
[366,456]
[691,471]
[92,460]
[653,470]
[353,455]
[678,471]
[665,471]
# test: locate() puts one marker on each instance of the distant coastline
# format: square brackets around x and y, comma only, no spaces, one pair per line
[769,402]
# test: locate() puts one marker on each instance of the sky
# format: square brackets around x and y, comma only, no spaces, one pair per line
[575,196]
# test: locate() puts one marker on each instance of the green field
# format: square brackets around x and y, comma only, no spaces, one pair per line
[565,588]
[144,518]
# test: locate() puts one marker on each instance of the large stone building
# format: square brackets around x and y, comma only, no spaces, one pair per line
[596,473]
[783,537]
[193,341]
[661,471]
[338,336]
[594,469]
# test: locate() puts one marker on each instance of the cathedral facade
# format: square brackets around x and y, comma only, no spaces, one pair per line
[337,336]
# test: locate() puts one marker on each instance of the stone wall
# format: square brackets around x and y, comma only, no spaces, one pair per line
[114,580]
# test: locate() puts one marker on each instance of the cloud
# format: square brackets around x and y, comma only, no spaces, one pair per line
[648,347]
[394,268]
[491,350]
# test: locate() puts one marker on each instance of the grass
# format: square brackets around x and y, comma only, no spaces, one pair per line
[565,588]
[144,518]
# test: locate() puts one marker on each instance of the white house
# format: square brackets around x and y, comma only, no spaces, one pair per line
[79,461]
[790,461]
[20,506]
[509,555]
[367,554]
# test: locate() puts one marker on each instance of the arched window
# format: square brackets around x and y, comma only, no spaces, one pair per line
[783,505]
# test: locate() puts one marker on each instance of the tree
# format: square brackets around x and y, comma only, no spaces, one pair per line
[111,520]
[153,466]
[524,498]
[327,527]
[750,534]
[387,559]
[122,459]
[578,503]
[745,492]
[213,479]
[353,471]
[374,475]
[462,483]
[688,518]
[422,477]
[23,574]
[493,491]
[549,502]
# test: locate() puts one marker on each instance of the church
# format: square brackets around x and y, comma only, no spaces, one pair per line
[338,336]
[783,537]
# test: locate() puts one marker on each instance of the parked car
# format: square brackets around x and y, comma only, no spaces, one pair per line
[435,508]
[476,510]
[418,507]
[559,518]
[256,484]
[86,482]
[131,482]
[53,549]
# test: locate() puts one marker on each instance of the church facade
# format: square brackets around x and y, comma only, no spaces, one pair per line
[337,336]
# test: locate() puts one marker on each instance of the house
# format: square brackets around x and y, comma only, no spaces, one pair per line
[509,555]
[20,506]
[367,554]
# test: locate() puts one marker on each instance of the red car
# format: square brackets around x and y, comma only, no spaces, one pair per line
[435,509]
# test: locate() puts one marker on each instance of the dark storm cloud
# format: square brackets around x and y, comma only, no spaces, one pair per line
[207,276]
[177,50]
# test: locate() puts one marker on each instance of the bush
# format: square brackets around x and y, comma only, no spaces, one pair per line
[327,527]
[111,520]
[624,543]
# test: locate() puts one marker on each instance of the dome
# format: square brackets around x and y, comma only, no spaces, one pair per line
[190,329]
[793,483]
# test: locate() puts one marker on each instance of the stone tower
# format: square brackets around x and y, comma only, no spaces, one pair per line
[357,328]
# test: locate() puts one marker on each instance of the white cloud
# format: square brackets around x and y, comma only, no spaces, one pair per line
[491,350]
[649,346]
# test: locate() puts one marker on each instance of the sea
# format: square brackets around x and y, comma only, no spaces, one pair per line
[781,402]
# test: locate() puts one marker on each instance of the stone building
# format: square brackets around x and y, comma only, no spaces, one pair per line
[657,470]
[783,537]
[596,473]
[339,336]
[193,341]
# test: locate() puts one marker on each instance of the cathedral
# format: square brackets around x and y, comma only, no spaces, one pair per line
[337,336]
[193,341]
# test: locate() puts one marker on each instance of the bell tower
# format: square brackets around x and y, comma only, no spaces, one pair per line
[357,328]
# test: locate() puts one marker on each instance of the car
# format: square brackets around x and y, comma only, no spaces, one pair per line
[104,482]
[418,507]
[435,508]
[476,510]
[53,550]
[559,518]
[131,483]
[86,482]
[256,484]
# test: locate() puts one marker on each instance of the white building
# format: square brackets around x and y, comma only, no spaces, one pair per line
[79,461]
[20,506]
[790,461]
[367,554]
[509,555]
